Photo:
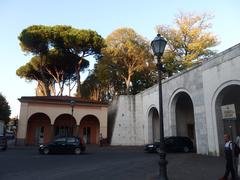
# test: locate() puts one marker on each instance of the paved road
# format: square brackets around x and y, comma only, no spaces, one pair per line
[105,163]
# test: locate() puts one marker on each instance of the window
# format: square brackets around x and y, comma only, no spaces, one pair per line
[71,140]
[60,141]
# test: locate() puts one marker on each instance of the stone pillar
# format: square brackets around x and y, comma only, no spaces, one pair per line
[52,136]
[77,129]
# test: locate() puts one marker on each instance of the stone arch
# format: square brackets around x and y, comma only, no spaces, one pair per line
[153,125]
[90,129]
[38,129]
[182,114]
[226,94]
[65,125]
[172,108]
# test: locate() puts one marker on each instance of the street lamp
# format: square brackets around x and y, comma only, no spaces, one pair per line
[158,46]
[72,103]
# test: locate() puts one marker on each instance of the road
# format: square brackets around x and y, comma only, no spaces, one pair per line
[106,163]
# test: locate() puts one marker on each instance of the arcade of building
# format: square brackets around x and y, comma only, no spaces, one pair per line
[44,118]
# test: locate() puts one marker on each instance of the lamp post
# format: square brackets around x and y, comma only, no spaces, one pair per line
[158,46]
[72,103]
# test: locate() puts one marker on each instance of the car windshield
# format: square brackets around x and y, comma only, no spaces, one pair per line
[71,140]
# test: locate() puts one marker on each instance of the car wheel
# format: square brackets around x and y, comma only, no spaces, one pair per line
[77,151]
[45,151]
[158,150]
[186,149]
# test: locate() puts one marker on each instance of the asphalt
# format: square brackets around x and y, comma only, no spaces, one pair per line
[181,166]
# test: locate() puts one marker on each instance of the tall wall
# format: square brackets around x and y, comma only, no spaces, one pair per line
[221,71]
[128,126]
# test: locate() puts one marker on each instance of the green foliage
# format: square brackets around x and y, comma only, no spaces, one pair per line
[129,53]
[187,44]
[82,43]
[59,54]
[35,39]
[124,68]
[5,111]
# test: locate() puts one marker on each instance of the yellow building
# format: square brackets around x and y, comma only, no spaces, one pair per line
[42,118]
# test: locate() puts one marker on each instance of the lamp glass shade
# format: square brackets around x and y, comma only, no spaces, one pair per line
[158,45]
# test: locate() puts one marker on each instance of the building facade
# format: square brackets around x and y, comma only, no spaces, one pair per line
[44,118]
[202,103]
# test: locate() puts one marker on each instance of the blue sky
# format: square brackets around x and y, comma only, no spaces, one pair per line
[103,16]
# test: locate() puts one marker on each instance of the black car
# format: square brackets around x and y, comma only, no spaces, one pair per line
[3,142]
[64,145]
[172,144]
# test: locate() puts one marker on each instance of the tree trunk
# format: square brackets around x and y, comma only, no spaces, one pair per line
[77,69]
[52,89]
[127,81]
[44,79]
[39,89]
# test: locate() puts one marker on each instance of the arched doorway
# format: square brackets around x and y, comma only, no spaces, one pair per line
[89,129]
[65,125]
[184,115]
[154,125]
[228,99]
[38,129]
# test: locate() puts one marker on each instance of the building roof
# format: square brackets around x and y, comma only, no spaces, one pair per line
[61,100]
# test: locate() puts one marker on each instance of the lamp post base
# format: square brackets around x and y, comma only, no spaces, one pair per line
[163,166]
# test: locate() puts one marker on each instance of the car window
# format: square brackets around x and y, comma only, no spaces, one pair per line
[169,141]
[60,141]
[71,140]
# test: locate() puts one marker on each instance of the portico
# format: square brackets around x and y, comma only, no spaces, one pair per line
[43,118]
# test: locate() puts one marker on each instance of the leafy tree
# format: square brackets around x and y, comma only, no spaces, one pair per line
[58,69]
[60,66]
[129,53]
[59,53]
[102,82]
[31,71]
[35,40]
[144,79]
[189,43]
[82,43]
[5,111]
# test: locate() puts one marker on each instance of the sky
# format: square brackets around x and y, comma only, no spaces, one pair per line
[103,16]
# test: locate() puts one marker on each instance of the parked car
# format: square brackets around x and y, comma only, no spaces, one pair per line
[64,145]
[172,144]
[3,142]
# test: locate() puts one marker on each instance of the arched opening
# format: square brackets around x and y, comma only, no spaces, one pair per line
[65,125]
[154,125]
[38,129]
[184,114]
[89,129]
[227,109]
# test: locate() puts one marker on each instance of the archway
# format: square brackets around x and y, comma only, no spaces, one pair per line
[228,100]
[65,125]
[184,115]
[90,129]
[38,129]
[154,125]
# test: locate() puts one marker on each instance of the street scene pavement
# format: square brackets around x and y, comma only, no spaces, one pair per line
[107,163]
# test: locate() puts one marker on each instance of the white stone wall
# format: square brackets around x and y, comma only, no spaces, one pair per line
[201,83]
[128,129]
